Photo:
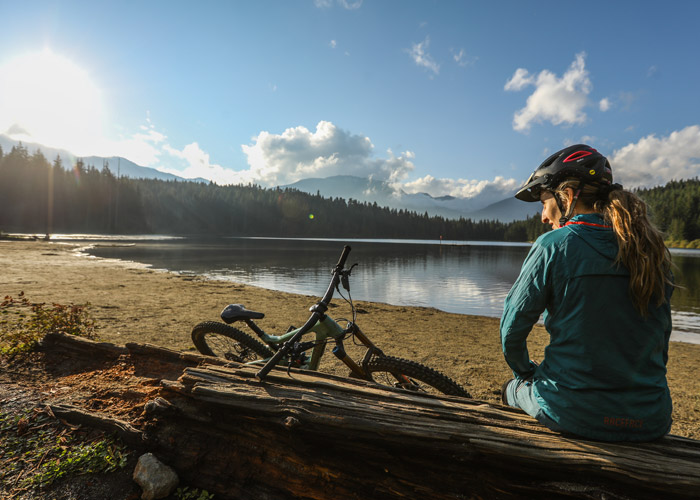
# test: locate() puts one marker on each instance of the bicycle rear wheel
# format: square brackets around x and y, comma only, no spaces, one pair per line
[412,376]
[217,339]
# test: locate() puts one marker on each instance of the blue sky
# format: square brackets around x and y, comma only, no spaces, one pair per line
[444,97]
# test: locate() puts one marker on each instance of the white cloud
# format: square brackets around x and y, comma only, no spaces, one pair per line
[150,148]
[520,79]
[273,159]
[198,164]
[654,161]
[144,148]
[350,5]
[299,153]
[557,100]
[604,104]
[419,54]
[462,59]
[333,44]
[460,188]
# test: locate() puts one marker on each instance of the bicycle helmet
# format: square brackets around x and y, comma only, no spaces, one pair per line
[577,161]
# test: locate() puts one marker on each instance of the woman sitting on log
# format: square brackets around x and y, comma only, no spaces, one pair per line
[604,283]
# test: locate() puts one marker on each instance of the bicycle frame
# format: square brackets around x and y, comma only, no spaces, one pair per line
[324,328]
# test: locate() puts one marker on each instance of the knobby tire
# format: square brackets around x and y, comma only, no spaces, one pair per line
[384,368]
[217,339]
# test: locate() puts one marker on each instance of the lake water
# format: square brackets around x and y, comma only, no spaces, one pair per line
[460,277]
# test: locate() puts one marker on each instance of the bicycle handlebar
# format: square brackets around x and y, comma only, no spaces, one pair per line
[318,311]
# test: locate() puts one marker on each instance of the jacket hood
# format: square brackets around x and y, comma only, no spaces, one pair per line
[594,232]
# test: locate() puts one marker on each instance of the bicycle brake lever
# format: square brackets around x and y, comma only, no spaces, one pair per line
[344,277]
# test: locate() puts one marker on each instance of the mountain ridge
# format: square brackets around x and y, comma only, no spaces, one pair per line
[480,207]
[486,205]
[118,165]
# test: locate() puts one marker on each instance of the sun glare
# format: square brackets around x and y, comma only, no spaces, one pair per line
[48,99]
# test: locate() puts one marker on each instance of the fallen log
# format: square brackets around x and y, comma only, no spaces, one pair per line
[318,436]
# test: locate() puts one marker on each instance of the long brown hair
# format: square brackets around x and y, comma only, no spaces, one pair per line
[641,247]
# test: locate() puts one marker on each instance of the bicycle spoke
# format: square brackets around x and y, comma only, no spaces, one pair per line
[229,349]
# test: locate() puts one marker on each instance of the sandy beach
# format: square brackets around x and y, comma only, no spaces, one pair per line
[131,303]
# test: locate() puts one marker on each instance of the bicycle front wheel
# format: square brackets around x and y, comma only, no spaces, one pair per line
[217,339]
[412,376]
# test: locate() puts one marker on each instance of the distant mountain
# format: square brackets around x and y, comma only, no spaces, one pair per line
[116,164]
[507,210]
[371,191]
[121,166]
[485,205]
[50,153]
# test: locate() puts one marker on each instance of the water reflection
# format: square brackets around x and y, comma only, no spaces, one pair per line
[464,278]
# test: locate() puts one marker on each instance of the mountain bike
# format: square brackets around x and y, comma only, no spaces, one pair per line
[222,340]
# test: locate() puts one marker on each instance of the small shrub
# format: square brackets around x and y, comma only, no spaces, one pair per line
[25,323]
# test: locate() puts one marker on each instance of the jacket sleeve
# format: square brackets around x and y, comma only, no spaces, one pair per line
[523,306]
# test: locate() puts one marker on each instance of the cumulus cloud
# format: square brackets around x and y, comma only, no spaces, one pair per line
[461,188]
[419,54]
[556,100]
[198,165]
[299,153]
[654,161]
[604,104]
[273,159]
[151,148]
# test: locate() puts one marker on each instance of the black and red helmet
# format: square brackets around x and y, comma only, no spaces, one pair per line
[578,161]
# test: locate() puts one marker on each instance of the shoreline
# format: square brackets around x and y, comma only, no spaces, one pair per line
[134,303]
[689,335]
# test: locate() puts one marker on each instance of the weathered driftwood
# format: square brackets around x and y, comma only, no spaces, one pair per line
[312,436]
[128,433]
[316,436]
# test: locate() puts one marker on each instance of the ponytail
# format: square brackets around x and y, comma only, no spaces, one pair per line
[641,247]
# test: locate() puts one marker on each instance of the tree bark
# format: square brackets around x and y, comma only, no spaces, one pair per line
[317,436]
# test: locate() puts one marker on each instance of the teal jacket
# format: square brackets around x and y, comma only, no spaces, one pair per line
[603,375]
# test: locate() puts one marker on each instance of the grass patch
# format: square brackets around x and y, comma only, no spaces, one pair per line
[24,323]
[192,494]
[37,451]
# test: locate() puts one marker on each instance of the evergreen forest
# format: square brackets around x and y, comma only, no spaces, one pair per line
[39,196]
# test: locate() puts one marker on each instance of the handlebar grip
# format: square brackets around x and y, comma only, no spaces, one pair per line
[344,256]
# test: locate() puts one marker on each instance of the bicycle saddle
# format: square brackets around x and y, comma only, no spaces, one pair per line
[237,312]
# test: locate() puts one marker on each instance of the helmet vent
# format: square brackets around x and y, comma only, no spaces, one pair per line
[577,156]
